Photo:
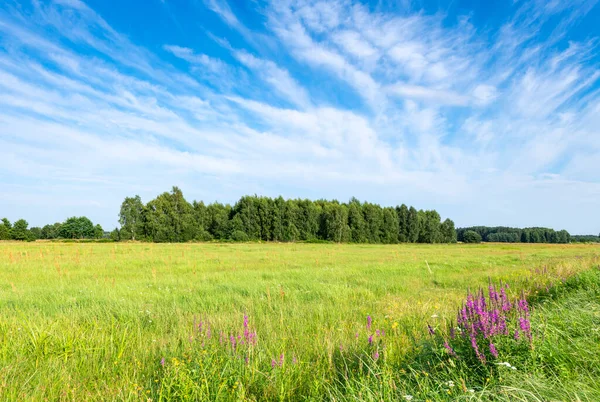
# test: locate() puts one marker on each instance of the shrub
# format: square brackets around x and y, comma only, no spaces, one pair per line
[238,235]
[203,235]
[471,236]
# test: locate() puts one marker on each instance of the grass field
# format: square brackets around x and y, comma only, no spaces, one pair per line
[136,321]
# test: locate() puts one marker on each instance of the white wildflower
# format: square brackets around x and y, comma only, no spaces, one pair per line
[408,397]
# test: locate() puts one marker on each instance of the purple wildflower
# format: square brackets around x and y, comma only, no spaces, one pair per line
[523,306]
[449,349]
[479,355]
[162,362]
[273,363]
[376,355]
[493,350]
[369,321]
[370,339]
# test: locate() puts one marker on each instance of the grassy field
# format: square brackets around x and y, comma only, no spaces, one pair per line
[136,321]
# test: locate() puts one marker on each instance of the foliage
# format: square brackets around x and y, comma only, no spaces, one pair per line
[170,218]
[51,231]
[585,239]
[98,232]
[5,229]
[115,235]
[19,230]
[470,236]
[131,218]
[516,235]
[448,232]
[35,233]
[77,228]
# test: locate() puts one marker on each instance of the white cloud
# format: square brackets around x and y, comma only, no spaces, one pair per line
[278,78]
[431,95]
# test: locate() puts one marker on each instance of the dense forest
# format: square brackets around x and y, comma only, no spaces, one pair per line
[73,228]
[515,235]
[170,218]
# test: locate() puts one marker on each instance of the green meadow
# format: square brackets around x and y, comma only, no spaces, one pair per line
[140,321]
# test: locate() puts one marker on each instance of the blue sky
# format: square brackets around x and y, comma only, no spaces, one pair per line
[488,112]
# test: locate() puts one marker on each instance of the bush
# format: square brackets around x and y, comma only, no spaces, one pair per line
[471,236]
[203,235]
[238,235]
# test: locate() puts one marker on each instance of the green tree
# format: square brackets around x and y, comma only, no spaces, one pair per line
[218,220]
[35,233]
[390,226]
[448,232]
[51,231]
[19,230]
[470,236]
[277,210]
[413,225]
[335,222]
[247,211]
[98,232]
[356,222]
[77,228]
[402,212]
[309,222]
[201,221]
[5,229]
[265,217]
[429,227]
[291,216]
[115,235]
[131,218]
[373,214]
[170,218]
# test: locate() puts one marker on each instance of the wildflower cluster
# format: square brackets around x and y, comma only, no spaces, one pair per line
[238,343]
[375,339]
[482,322]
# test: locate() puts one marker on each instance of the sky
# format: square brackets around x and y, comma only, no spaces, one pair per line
[487,111]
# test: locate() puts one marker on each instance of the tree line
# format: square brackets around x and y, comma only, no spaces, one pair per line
[72,228]
[170,218]
[585,239]
[513,235]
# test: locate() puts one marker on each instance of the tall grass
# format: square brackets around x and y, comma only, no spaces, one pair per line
[121,321]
